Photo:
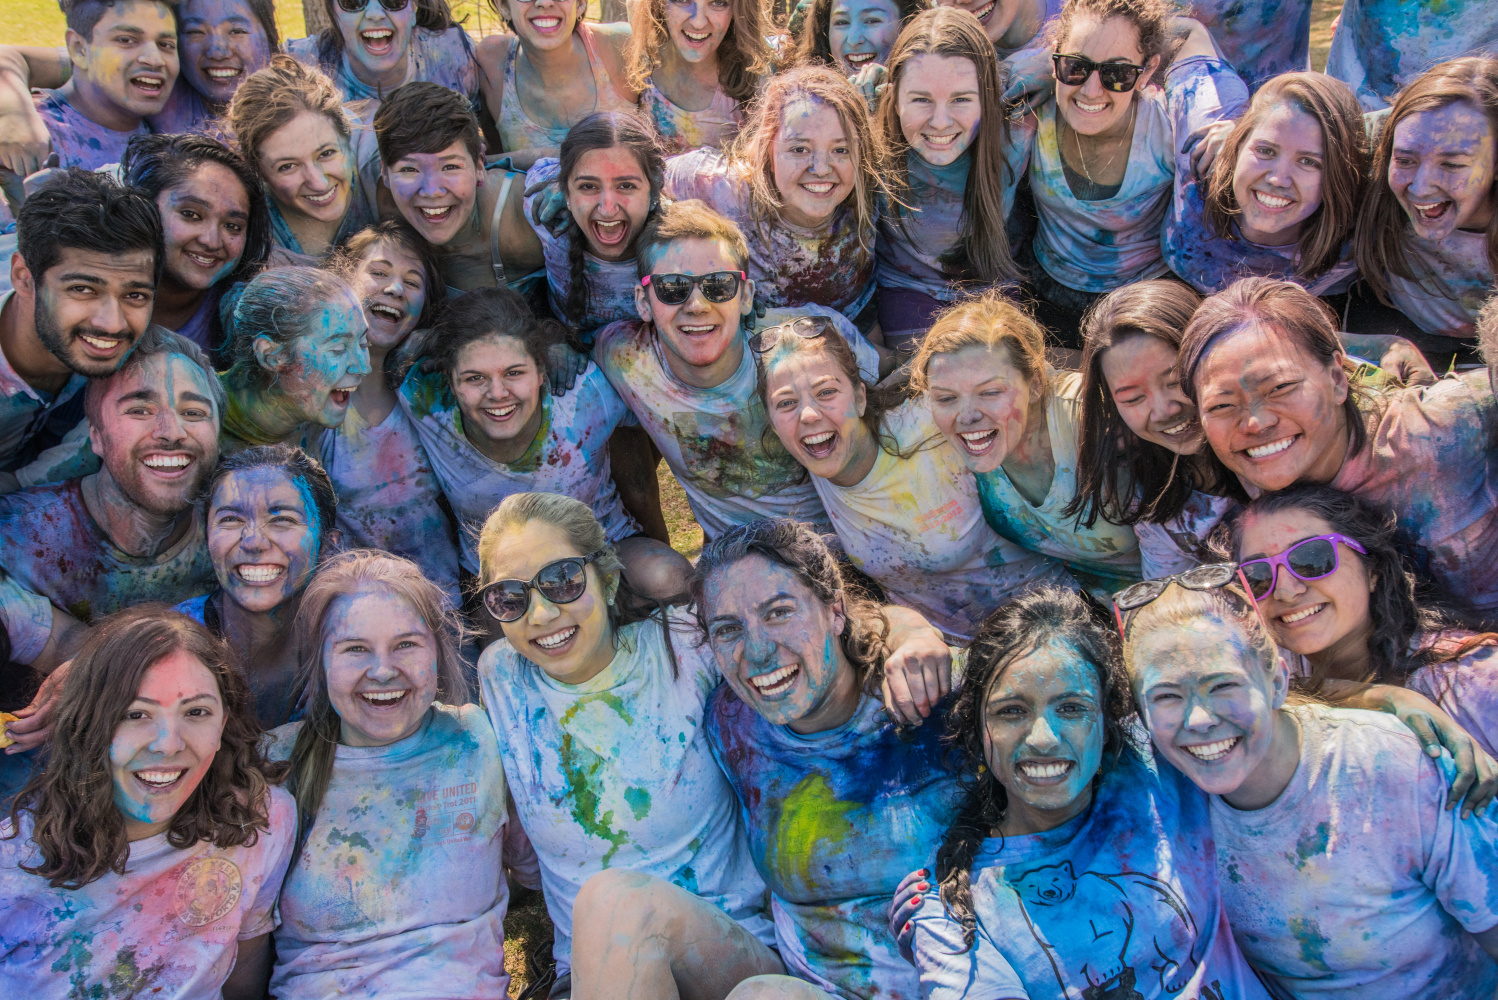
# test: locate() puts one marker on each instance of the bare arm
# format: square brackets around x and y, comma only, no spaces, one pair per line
[1393,354]
[250,978]
[519,246]
[918,672]
[24,142]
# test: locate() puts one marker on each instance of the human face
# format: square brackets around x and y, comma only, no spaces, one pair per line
[377,40]
[1441,170]
[1277,177]
[166,742]
[697,333]
[817,413]
[571,642]
[1209,700]
[996,16]
[498,388]
[860,32]
[263,537]
[320,370]
[380,660]
[608,195]
[1043,735]
[543,24]
[1140,373]
[436,192]
[132,56]
[775,641]
[392,285]
[222,44]
[205,220]
[812,162]
[157,431]
[307,169]
[981,403]
[698,27]
[91,308]
[1090,109]
[938,106]
[1271,413]
[1309,616]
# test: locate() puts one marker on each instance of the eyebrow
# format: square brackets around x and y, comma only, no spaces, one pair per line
[781,596]
[400,635]
[620,177]
[205,696]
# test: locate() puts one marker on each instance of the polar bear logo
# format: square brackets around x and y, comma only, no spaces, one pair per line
[1105,933]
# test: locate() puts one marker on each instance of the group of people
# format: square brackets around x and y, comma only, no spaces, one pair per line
[1089,414]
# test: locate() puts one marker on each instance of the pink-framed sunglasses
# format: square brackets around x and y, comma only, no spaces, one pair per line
[1309,559]
[1207,577]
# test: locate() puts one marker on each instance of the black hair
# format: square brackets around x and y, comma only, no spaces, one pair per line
[294,462]
[489,312]
[155,163]
[424,117]
[82,210]
[1047,615]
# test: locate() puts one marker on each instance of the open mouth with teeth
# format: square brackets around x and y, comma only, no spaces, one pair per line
[1177,430]
[1260,452]
[1209,753]
[610,232]
[698,330]
[340,397]
[259,574]
[694,38]
[776,682]
[160,779]
[437,215]
[984,13]
[223,74]
[1272,202]
[170,465]
[101,345]
[386,311]
[384,699]
[378,41]
[1088,108]
[1045,772]
[500,413]
[1430,211]
[939,142]
[558,641]
[1296,617]
[820,189]
[978,442]
[546,25]
[149,84]
[859,59]
[820,445]
[203,261]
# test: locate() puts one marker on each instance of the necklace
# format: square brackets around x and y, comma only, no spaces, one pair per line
[1082,157]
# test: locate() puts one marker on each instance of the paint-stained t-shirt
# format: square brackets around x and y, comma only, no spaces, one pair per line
[718,442]
[1105,557]
[1453,278]
[835,821]
[915,524]
[399,892]
[1119,901]
[1381,46]
[681,130]
[1358,882]
[168,928]
[30,418]
[832,266]
[78,141]
[52,546]
[26,619]
[570,454]
[1180,543]
[443,57]
[1259,38]
[388,497]
[616,772]
[1466,687]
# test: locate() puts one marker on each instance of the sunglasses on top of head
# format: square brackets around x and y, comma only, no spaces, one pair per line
[1119,77]
[1208,577]
[560,582]
[674,289]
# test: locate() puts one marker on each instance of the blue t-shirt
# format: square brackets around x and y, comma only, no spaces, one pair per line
[1119,902]
[1382,45]
[1259,38]
[835,821]
[79,141]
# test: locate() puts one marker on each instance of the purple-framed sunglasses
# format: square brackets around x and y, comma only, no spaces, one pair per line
[1309,559]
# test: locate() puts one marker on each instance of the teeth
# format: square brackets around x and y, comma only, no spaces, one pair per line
[259,572]
[103,345]
[322,199]
[382,697]
[609,225]
[546,23]
[556,638]
[775,681]
[817,439]
[1179,428]
[222,74]
[1213,751]
[389,312]
[437,213]
[500,412]
[160,778]
[982,12]
[1091,109]
[859,58]
[147,81]
[1272,448]
[696,329]
[378,34]
[978,440]
[1271,200]
[167,461]
[1302,615]
[200,259]
[1056,770]
[819,187]
[696,38]
[939,140]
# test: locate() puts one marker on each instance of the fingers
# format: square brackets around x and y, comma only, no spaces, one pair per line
[1481,796]
[897,698]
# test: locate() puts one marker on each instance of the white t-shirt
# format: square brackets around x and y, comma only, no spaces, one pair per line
[718,442]
[1454,280]
[1180,543]
[400,888]
[617,773]
[1357,881]
[916,526]
[570,454]
[168,928]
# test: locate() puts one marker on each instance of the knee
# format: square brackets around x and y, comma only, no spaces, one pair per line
[618,898]
[776,988]
[655,570]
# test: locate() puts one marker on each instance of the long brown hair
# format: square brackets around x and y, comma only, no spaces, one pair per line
[273,96]
[815,44]
[980,252]
[1381,243]
[76,826]
[1344,164]
[743,55]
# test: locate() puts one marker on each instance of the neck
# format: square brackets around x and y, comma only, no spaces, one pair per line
[1022,819]
[837,706]
[351,737]
[37,366]
[175,302]
[508,450]
[710,376]
[1325,469]
[596,661]
[135,531]
[1344,660]
[801,220]
[1270,779]
[690,81]
[136,831]
[862,454]
[1285,237]
[374,399]
[262,635]
[1032,455]
[261,416]
[97,106]
[392,77]
[315,236]
[562,61]
[1025,26]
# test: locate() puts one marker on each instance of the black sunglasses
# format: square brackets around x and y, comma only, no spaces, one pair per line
[354,6]
[805,327]
[560,582]
[1073,71]
[674,289]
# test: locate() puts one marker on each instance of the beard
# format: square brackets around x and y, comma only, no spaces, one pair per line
[160,499]
[61,343]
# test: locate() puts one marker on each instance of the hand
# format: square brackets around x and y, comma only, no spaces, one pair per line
[1209,141]
[1404,361]
[1032,77]
[917,673]
[563,366]
[550,207]
[24,141]
[34,722]
[904,906]
[869,82]
[1476,777]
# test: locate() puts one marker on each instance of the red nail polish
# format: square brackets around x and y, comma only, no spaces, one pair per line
[923,887]
[907,926]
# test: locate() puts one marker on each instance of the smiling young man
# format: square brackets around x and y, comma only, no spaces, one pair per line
[83,283]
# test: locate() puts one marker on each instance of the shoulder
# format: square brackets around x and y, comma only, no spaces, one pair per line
[543,171]
[1066,387]
[1350,737]
[495,47]
[277,743]
[619,337]
[281,811]
[39,500]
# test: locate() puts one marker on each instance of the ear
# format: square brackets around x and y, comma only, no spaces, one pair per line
[862,395]
[746,295]
[611,588]
[1150,65]
[268,354]
[642,305]
[77,47]
[20,277]
[95,439]
[332,542]
[839,613]
[1339,377]
[1280,682]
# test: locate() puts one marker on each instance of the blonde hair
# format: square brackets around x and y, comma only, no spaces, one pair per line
[1178,608]
[272,97]
[743,56]
[572,518]
[753,151]
[990,321]
[687,220]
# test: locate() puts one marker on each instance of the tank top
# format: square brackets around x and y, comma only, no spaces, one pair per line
[517,130]
[682,130]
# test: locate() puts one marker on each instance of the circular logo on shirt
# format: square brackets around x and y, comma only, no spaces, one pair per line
[464,822]
[207,890]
